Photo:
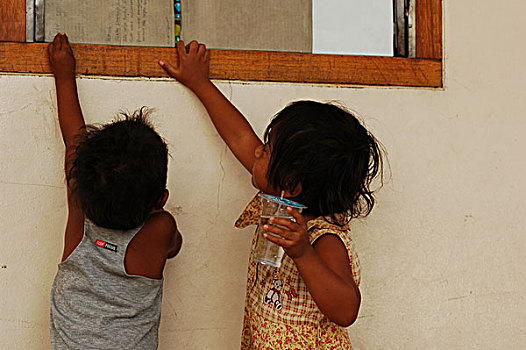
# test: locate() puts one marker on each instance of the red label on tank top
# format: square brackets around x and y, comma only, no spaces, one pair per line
[106,245]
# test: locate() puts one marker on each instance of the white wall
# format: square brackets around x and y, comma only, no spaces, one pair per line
[442,254]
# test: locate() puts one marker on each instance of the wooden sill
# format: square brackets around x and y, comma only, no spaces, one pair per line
[131,61]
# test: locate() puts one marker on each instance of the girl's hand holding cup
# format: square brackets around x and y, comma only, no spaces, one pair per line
[294,237]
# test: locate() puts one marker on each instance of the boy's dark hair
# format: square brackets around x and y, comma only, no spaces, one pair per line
[119,171]
[325,149]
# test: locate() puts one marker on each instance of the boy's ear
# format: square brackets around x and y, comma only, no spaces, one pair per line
[162,200]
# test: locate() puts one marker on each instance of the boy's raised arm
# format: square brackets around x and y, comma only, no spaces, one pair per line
[72,125]
[70,117]
[231,125]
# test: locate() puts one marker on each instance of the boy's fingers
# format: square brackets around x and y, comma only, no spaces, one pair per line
[53,44]
[66,42]
[60,41]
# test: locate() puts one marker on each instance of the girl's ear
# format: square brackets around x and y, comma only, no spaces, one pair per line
[162,200]
[296,192]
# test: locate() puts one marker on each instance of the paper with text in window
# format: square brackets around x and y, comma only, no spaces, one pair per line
[270,25]
[112,22]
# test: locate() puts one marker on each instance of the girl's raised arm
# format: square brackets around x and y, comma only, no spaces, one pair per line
[231,125]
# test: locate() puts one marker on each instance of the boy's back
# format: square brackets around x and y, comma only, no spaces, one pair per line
[96,303]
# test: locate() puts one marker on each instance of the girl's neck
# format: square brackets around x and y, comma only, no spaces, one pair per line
[309,217]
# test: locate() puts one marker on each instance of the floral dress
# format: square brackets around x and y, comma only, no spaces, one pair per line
[280,313]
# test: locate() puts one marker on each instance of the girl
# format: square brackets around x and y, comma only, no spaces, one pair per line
[321,156]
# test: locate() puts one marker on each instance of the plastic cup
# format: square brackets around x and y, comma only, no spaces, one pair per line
[269,253]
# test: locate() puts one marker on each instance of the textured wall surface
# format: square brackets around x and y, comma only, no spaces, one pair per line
[442,254]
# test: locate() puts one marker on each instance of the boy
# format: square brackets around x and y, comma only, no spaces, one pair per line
[108,288]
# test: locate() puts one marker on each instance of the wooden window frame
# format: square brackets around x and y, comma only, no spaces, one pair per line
[425,70]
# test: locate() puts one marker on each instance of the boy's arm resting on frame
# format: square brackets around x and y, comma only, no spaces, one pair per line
[231,125]
[70,117]
[72,125]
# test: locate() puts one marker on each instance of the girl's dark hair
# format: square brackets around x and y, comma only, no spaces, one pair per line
[119,171]
[325,149]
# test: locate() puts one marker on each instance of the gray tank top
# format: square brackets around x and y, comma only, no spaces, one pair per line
[95,304]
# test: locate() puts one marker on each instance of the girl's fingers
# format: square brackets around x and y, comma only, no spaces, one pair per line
[168,68]
[192,47]
[288,223]
[286,234]
[181,49]
[296,215]
[201,50]
[279,241]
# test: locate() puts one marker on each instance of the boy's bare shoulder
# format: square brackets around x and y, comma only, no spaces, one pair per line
[161,222]
[163,227]
[162,217]
[157,241]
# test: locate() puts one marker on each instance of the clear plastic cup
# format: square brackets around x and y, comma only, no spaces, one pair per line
[269,253]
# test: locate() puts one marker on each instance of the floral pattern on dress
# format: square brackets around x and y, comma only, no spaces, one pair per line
[261,334]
